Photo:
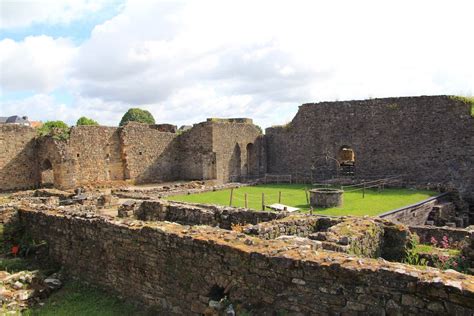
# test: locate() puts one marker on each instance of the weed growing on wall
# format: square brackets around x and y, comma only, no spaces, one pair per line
[467,100]
[412,255]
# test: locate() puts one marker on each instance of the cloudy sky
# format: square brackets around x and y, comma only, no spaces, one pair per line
[188,60]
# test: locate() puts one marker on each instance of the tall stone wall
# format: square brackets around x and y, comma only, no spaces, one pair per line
[196,158]
[428,139]
[96,152]
[238,147]
[18,163]
[149,153]
[178,269]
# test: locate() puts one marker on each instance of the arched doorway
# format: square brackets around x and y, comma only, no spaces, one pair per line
[47,174]
[347,159]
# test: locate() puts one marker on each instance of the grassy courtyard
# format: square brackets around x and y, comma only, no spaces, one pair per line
[374,203]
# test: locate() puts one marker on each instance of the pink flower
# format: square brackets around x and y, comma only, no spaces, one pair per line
[433,241]
[445,242]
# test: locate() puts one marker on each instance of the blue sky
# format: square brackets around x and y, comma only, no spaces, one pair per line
[188,60]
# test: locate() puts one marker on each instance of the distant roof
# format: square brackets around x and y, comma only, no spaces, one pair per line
[15,119]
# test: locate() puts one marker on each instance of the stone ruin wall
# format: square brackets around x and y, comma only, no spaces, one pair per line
[428,139]
[239,150]
[96,154]
[156,264]
[18,168]
[196,158]
[148,153]
[99,154]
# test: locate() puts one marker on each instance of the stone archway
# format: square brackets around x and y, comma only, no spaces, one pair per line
[47,174]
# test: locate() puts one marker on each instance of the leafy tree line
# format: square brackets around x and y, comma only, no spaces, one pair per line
[60,130]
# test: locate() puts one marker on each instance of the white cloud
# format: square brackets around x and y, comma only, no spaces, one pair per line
[37,63]
[190,59]
[36,107]
[24,13]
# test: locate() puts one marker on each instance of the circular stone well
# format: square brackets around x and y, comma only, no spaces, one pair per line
[325,197]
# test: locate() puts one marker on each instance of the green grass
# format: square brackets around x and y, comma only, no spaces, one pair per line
[79,299]
[423,248]
[373,204]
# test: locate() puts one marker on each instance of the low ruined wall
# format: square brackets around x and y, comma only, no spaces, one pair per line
[455,235]
[18,165]
[175,268]
[415,214]
[196,214]
[369,237]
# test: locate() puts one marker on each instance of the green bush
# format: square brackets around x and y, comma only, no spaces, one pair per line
[86,121]
[57,129]
[137,115]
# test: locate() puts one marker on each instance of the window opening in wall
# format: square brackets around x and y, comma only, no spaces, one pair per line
[78,155]
[347,159]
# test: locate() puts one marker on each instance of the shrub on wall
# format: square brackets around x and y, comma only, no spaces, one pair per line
[57,129]
[86,121]
[137,115]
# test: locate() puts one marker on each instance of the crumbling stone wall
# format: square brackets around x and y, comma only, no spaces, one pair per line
[96,154]
[186,263]
[196,157]
[238,147]
[428,139]
[196,214]
[456,236]
[369,237]
[416,214]
[149,153]
[18,163]
[139,152]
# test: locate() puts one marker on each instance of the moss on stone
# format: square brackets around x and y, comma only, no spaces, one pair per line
[466,100]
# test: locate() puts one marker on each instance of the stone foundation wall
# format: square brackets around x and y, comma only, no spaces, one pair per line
[18,163]
[197,214]
[416,214]
[455,235]
[368,237]
[176,268]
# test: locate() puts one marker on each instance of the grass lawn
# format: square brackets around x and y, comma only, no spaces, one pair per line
[79,299]
[374,202]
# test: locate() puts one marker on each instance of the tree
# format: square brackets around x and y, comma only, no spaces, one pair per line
[86,121]
[57,129]
[137,115]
